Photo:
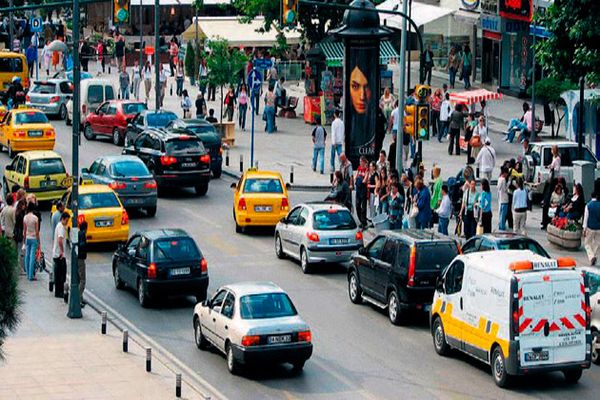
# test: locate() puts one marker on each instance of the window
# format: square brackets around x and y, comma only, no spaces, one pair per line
[389,251]
[101,168]
[228,306]
[46,166]
[454,277]
[293,215]
[66,87]
[403,257]
[486,245]
[133,242]
[588,156]
[593,281]
[266,305]
[128,168]
[143,141]
[94,168]
[98,200]
[303,217]
[217,300]
[44,88]
[142,249]
[523,244]
[112,110]
[330,220]
[94,94]
[20,166]
[160,120]
[103,108]
[31,117]
[154,143]
[376,247]
[471,246]
[10,64]
[184,146]
[171,249]
[139,120]
[436,255]
[134,108]
[535,155]
[203,128]
[109,93]
[263,185]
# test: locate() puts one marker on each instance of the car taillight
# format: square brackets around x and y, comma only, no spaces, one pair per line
[204,265]
[242,204]
[26,81]
[411,266]
[515,323]
[84,109]
[28,98]
[80,219]
[205,159]
[49,132]
[304,336]
[26,182]
[152,271]
[168,160]
[117,185]
[312,236]
[54,99]
[252,340]
[285,204]
[220,151]
[359,236]
[150,185]
[124,218]
[20,133]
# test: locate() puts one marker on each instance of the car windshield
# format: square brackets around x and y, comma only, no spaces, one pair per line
[184,146]
[44,88]
[46,166]
[330,220]
[435,255]
[31,117]
[523,244]
[593,281]
[267,305]
[98,200]
[134,108]
[160,120]
[202,128]
[129,168]
[176,249]
[263,185]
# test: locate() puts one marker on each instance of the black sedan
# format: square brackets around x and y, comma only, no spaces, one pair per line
[145,120]
[503,241]
[160,263]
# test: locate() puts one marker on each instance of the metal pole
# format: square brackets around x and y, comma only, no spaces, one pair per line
[74,299]
[401,90]
[196,26]
[37,61]
[409,46]
[534,132]
[10,26]
[141,38]
[252,132]
[156,54]
[580,119]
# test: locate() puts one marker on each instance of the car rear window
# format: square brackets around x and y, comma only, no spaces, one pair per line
[160,120]
[202,128]
[523,244]
[331,220]
[95,94]
[263,185]
[46,166]
[184,146]
[10,64]
[44,88]
[134,108]
[176,249]
[129,168]
[30,117]
[435,255]
[98,200]
[267,305]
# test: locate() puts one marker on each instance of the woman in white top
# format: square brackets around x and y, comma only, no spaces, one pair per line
[31,235]
[554,166]
[147,79]
[136,78]
[481,131]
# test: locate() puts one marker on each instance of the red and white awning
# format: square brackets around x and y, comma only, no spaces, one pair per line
[474,96]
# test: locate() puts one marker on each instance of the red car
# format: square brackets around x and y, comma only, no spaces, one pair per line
[111,119]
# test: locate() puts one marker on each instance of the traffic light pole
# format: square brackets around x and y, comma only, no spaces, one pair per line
[401,90]
[157,87]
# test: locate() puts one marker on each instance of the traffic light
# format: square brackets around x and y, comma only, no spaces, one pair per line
[120,12]
[289,13]
[410,112]
[423,92]
[423,121]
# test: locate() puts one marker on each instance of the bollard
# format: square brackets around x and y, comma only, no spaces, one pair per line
[241,163]
[331,177]
[256,164]
[291,174]
[227,158]
[477,172]
[103,322]
[148,359]
[178,385]
[125,341]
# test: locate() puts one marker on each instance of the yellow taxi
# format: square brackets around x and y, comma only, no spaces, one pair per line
[14,64]
[25,129]
[260,199]
[40,172]
[104,213]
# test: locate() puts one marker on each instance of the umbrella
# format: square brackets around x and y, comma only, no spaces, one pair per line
[57,45]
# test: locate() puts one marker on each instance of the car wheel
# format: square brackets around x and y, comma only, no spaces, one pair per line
[142,295]
[151,211]
[298,366]
[201,189]
[595,343]
[439,338]
[232,364]
[88,132]
[116,137]
[11,153]
[238,228]
[572,375]
[217,173]
[304,264]
[199,338]
[126,140]
[119,284]
[394,309]
[354,290]
[279,247]
[499,373]
[62,113]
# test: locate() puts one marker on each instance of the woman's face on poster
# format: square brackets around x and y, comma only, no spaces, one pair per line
[360,92]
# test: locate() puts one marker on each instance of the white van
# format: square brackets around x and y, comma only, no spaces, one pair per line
[593,275]
[93,92]
[515,310]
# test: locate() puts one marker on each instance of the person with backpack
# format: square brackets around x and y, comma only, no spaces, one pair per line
[229,104]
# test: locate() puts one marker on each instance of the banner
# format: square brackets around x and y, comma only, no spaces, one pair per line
[516,9]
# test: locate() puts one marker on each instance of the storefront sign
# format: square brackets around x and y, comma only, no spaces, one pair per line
[516,9]
[492,35]
[470,5]
[489,6]
[515,26]
[490,23]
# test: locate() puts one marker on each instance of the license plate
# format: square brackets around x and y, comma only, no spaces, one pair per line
[103,223]
[188,164]
[338,241]
[180,271]
[531,356]
[45,184]
[280,339]
[263,208]
[134,201]
[34,133]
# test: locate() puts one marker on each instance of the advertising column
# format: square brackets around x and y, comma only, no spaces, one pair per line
[517,52]
[491,32]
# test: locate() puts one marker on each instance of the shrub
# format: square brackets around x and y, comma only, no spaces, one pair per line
[9,293]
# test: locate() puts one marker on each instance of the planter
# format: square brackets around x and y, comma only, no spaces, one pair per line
[566,239]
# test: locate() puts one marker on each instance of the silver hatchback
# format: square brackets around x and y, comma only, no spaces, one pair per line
[51,96]
[318,233]
[253,322]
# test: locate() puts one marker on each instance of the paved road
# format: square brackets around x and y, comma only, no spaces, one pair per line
[358,353]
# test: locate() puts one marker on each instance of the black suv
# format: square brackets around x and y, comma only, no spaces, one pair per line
[175,158]
[399,269]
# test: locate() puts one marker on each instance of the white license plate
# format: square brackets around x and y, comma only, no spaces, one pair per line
[103,224]
[543,355]
[45,184]
[180,271]
[188,164]
[338,241]
[134,201]
[280,339]
[34,133]
[263,208]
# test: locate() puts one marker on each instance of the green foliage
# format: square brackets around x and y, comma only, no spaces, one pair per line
[281,47]
[9,294]
[224,63]
[550,89]
[573,50]
[190,60]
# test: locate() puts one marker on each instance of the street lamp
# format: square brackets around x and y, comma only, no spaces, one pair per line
[156,54]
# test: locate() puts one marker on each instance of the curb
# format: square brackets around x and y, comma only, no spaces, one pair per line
[293,187]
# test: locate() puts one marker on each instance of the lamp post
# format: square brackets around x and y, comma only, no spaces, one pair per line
[141,36]
[534,132]
[10,26]
[401,90]
[156,53]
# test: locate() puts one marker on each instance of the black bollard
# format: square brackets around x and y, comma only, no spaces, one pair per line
[178,385]
[291,174]
[148,359]
[103,322]
[227,158]
[125,341]
[241,163]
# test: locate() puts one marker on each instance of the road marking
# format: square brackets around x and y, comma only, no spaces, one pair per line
[201,217]
[225,246]
[342,378]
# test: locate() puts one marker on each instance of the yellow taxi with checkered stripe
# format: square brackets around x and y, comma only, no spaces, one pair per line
[25,128]
[515,310]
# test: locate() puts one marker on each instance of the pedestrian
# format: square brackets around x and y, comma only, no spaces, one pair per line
[279,94]
[392,151]
[436,189]
[520,203]
[591,225]
[575,207]
[47,57]
[428,62]
[36,210]
[456,124]
[162,78]
[7,218]
[467,210]
[485,205]
[136,78]
[408,187]
[202,76]
[524,147]
[147,79]
[272,73]
[360,184]
[81,257]
[55,218]
[211,116]
[20,211]
[486,160]
[466,62]
[243,101]
[481,129]
[423,202]
[123,83]
[31,235]
[318,138]
[229,102]
[436,105]
[502,198]
[186,104]
[520,124]
[469,127]
[58,254]
[381,191]
[269,112]
[346,170]
[444,211]
[179,78]
[100,57]
[382,161]
[31,57]
[387,103]
[120,50]
[84,55]
[372,179]
[337,137]
[452,66]
[255,93]
[395,208]
[340,192]
[200,106]
[550,184]
[55,60]
[173,53]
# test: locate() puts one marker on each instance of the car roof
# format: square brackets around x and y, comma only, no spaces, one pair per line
[51,80]
[418,235]
[168,134]
[118,101]
[39,154]
[96,81]
[254,173]
[155,234]
[253,287]
[322,205]
[559,143]
[494,236]
[118,158]
[25,109]
[490,260]
[190,122]
[145,112]
[94,188]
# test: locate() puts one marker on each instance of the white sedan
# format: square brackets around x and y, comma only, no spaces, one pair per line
[253,322]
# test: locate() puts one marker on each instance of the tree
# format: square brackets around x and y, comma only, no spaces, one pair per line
[9,294]
[190,63]
[549,90]
[573,49]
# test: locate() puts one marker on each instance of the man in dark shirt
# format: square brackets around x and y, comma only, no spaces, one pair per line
[211,116]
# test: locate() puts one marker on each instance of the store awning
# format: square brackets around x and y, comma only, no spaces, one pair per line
[334,53]
[474,96]
[421,13]
[237,33]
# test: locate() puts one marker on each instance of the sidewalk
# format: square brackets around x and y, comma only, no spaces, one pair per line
[53,357]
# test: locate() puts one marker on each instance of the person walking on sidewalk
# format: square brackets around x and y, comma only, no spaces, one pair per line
[470,125]
[7,218]
[486,160]
[31,57]
[395,206]
[423,202]
[179,78]
[58,254]
[457,122]
[211,116]
[360,183]
[200,106]
[381,191]
[136,78]
[123,84]
[20,211]
[120,50]
[337,137]
[466,62]
[47,57]
[147,79]
[99,57]
[31,235]
[162,78]
[229,104]
[243,101]
[173,53]
[591,225]
[387,103]
[372,179]
[467,209]
[444,211]
[436,104]
[318,138]
[428,58]
[269,113]
[81,257]
[340,192]
[485,205]
[202,76]
[502,198]
[445,111]
[520,208]
[452,66]
[186,104]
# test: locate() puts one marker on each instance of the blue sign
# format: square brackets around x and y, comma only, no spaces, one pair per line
[262,63]
[254,80]
[539,31]
[36,24]
[490,23]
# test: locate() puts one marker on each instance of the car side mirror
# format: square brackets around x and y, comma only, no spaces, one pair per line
[10,168]
[233,185]
[131,252]
[439,284]
[288,186]
[284,220]
[362,251]
[206,303]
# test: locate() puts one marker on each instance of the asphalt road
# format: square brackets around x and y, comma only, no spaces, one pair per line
[358,353]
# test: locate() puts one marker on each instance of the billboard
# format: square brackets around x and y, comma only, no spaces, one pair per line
[521,10]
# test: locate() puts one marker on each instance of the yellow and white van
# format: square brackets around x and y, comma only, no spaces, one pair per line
[517,311]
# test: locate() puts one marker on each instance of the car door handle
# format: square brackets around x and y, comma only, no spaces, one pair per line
[226,327]
[214,320]
[461,303]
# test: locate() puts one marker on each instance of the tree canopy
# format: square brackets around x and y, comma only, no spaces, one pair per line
[9,293]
